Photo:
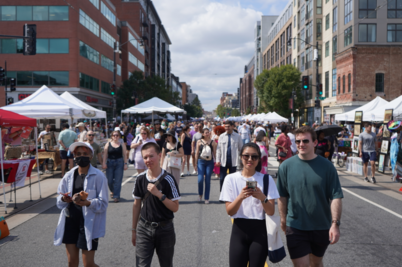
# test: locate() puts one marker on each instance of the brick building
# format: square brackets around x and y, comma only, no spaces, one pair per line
[247,89]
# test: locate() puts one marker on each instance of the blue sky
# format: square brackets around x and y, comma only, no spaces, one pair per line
[212,41]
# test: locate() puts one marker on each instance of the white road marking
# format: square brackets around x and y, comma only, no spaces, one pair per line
[128,180]
[371,202]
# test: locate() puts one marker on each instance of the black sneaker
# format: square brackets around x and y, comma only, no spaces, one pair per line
[366,180]
[373,180]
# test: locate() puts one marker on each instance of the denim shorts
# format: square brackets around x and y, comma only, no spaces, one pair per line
[369,156]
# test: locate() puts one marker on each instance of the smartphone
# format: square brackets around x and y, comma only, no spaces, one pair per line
[251,184]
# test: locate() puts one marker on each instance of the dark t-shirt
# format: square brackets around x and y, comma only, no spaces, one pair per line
[153,209]
[78,186]
[309,186]
[178,129]
[170,150]
[322,147]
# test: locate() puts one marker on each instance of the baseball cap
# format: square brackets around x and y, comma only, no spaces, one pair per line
[73,146]
[80,124]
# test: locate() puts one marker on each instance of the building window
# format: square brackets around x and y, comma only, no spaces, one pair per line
[135,43]
[95,3]
[302,36]
[348,36]
[327,84]
[379,82]
[52,46]
[302,15]
[334,47]
[348,10]
[24,13]
[319,29]
[367,32]
[11,46]
[367,9]
[132,59]
[107,38]
[339,85]
[394,33]
[294,21]
[343,84]
[349,82]
[294,62]
[58,13]
[319,7]
[334,82]
[89,23]
[309,57]
[394,9]
[140,65]
[327,49]
[282,41]
[309,33]
[29,78]
[89,82]
[107,63]
[302,64]
[108,14]
[34,13]
[105,87]
[327,22]
[277,50]
[335,19]
[89,53]
[309,9]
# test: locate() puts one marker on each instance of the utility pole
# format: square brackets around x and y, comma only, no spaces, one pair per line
[114,79]
[5,81]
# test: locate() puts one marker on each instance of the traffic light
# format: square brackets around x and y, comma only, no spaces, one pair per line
[113,89]
[10,101]
[319,89]
[30,43]
[317,103]
[305,82]
[12,84]
[2,75]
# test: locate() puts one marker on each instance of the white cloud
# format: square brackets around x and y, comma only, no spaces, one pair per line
[211,44]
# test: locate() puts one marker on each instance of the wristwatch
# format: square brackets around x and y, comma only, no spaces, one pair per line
[264,201]
[163,197]
[337,222]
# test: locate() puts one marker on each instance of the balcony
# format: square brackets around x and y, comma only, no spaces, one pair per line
[145,35]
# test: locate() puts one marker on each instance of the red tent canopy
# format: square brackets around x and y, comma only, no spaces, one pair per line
[8,118]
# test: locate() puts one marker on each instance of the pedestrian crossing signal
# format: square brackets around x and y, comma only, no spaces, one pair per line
[305,82]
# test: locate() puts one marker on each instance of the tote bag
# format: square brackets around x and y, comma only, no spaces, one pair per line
[174,162]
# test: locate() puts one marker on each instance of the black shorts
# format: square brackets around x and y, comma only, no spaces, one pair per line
[301,243]
[63,155]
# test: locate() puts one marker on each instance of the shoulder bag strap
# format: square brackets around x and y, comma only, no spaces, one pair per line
[266,184]
[156,184]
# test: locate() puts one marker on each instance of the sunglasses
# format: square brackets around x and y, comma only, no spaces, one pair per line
[144,133]
[91,135]
[305,141]
[115,135]
[247,157]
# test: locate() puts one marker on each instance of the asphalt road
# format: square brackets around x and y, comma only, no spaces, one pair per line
[370,235]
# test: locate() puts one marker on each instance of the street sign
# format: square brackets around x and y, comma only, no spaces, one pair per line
[322,97]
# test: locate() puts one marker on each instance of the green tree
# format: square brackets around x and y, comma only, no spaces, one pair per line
[220,111]
[235,112]
[248,110]
[274,88]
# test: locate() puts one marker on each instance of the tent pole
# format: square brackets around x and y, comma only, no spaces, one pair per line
[2,173]
[37,160]
[152,117]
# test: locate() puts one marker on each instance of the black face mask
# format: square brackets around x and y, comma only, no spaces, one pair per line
[82,161]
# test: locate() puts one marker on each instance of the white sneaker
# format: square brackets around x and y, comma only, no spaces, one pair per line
[188,174]
[41,172]
[194,172]
[182,174]
[206,201]
[48,172]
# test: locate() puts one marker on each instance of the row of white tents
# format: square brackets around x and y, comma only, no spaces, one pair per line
[374,110]
[272,117]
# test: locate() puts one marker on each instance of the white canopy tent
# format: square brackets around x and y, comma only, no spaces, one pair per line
[377,114]
[372,105]
[45,103]
[275,117]
[89,111]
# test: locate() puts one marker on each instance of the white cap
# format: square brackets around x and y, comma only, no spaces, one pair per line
[73,146]
[117,129]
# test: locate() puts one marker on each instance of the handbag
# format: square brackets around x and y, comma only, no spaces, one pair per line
[174,162]
[131,159]
[282,154]
[276,250]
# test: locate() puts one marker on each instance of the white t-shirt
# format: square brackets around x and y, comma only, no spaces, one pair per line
[244,133]
[250,208]
[82,136]
[293,140]
[258,129]
[42,146]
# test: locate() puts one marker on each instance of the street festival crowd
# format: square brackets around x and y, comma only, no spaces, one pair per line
[237,154]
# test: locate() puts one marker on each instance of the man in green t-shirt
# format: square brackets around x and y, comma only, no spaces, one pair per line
[310,203]
[97,149]
[66,138]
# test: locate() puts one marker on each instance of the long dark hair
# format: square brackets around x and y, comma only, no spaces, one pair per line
[260,136]
[257,148]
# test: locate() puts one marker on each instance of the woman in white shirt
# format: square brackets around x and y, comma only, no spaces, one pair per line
[247,206]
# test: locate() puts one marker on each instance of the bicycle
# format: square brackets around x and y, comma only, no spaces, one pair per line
[339,158]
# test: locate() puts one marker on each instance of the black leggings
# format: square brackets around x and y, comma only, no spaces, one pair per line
[248,243]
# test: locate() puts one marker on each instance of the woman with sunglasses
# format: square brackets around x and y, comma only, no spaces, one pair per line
[283,144]
[143,138]
[248,206]
[115,163]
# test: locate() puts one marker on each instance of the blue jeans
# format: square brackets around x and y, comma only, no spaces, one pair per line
[114,174]
[205,167]
[223,172]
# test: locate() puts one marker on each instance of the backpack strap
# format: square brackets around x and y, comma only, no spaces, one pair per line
[266,184]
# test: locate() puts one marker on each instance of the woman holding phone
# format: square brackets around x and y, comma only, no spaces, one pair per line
[247,204]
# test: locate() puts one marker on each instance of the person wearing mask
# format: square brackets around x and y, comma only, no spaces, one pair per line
[228,151]
[41,137]
[247,207]
[156,199]
[292,138]
[171,148]
[143,138]
[368,151]
[186,144]
[283,144]
[97,155]
[66,138]
[205,163]
[310,203]
[82,132]
[245,134]
[323,145]
[115,163]
[197,136]
[82,220]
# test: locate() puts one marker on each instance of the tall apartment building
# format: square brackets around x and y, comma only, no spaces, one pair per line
[185,91]
[175,86]
[247,91]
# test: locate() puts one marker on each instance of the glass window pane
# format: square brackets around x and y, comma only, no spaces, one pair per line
[390,36]
[371,33]
[20,45]
[399,36]
[372,4]
[399,13]
[399,26]
[391,4]
[58,77]
[363,33]
[362,14]
[24,13]
[399,4]
[42,46]
[391,26]
[391,14]
[24,78]
[40,13]
[8,13]
[11,74]
[362,4]
[58,13]
[40,78]
[58,46]
[8,46]
[372,14]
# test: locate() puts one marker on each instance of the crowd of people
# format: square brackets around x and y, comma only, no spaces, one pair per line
[307,187]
